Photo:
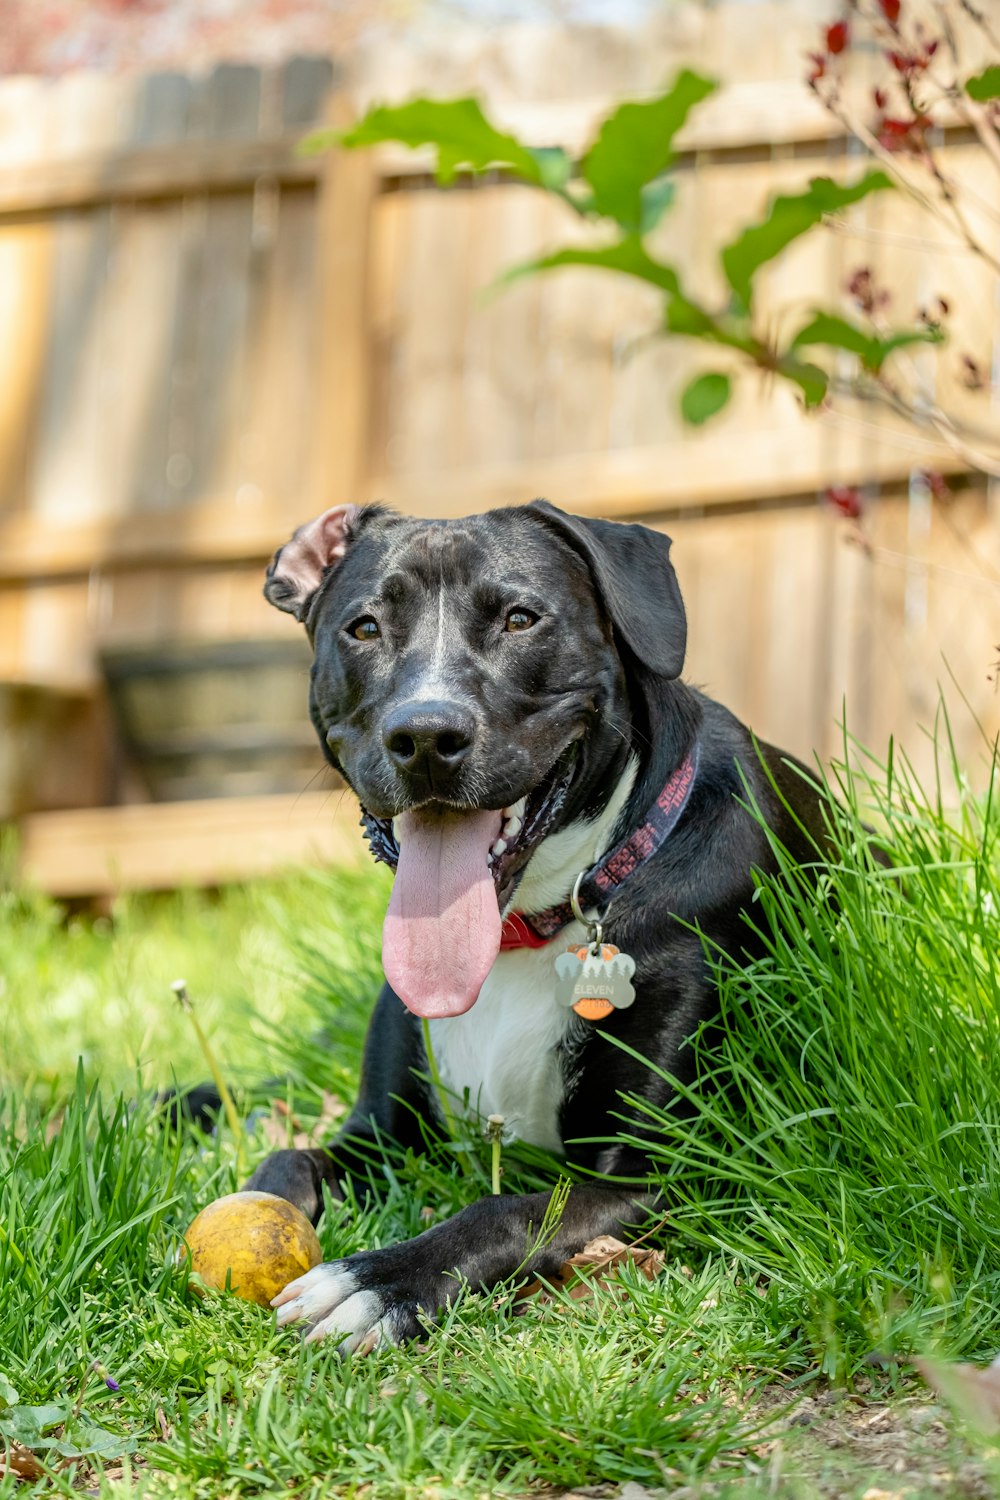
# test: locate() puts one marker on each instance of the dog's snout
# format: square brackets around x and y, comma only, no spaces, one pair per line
[428,737]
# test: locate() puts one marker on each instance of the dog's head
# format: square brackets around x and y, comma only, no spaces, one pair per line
[472,682]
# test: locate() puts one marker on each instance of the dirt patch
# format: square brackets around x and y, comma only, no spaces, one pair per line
[840,1445]
[861,1444]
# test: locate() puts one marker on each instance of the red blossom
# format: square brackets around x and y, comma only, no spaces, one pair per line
[890,9]
[973,375]
[845,499]
[909,63]
[933,316]
[818,67]
[904,62]
[936,483]
[837,37]
[903,135]
[866,293]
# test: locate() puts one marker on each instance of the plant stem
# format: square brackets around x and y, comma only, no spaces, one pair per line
[494,1134]
[232,1116]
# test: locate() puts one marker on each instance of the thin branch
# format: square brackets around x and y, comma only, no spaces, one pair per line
[984,204]
[890,160]
[915,565]
[838,225]
[950,198]
[970,110]
[930,415]
[979,18]
[910,442]
[868,389]
[980,122]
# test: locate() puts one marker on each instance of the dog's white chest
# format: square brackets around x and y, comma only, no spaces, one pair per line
[512,1053]
[506,1054]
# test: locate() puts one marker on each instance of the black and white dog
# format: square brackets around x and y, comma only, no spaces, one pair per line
[503,695]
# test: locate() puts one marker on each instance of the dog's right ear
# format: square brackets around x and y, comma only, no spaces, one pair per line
[298,568]
[636,581]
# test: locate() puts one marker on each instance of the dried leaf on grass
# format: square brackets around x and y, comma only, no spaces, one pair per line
[21,1462]
[597,1264]
[973,1390]
[281,1121]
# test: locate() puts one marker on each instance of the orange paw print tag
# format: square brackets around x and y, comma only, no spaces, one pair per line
[595,980]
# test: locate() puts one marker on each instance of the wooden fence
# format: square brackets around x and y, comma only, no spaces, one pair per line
[209,337]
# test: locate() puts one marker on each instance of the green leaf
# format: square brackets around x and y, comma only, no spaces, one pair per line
[686,317]
[463,136]
[626,256]
[28,1424]
[87,1439]
[985,85]
[838,333]
[902,339]
[656,199]
[810,379]
[787,219]
[635,145]
[8,1395]
[826,328]
[554,166]
[705,396]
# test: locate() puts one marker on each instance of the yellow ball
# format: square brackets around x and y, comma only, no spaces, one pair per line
[260,1241]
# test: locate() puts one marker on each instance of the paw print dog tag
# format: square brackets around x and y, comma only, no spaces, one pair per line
[595,979]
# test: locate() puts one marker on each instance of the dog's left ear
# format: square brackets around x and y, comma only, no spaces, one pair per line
[636,580]
[298,568]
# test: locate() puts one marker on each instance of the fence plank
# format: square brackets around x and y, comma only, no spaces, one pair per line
[25,285]
[164,172]
[630,482]
[102,851]
[344,366]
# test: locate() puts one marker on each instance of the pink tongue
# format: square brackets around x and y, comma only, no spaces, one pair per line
[442,929]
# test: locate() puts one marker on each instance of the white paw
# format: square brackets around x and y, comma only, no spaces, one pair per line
[330,1299]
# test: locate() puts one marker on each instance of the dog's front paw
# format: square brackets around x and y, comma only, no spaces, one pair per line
[358,1301]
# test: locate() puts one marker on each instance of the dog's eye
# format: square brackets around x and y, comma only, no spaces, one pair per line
[365,629]
[520,619]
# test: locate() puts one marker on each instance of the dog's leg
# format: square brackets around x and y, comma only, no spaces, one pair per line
[383,1296]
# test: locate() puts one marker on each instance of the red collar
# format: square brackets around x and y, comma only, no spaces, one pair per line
[516,933]
[536,929]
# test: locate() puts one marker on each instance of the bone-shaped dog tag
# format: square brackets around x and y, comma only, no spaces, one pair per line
[594,980]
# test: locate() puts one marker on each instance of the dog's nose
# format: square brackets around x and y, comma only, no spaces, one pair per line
[429,737]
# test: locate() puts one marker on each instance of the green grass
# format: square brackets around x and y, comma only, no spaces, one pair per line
[836,1199]
[854,1149]
[99,989]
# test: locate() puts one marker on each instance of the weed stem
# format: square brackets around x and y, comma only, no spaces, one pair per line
[235,1124]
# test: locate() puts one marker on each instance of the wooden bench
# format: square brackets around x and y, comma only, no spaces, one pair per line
[52,746]
[158,846]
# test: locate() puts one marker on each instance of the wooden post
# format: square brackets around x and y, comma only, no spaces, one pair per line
[346,197]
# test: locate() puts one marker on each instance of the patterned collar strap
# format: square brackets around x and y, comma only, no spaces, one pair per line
[599,884]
